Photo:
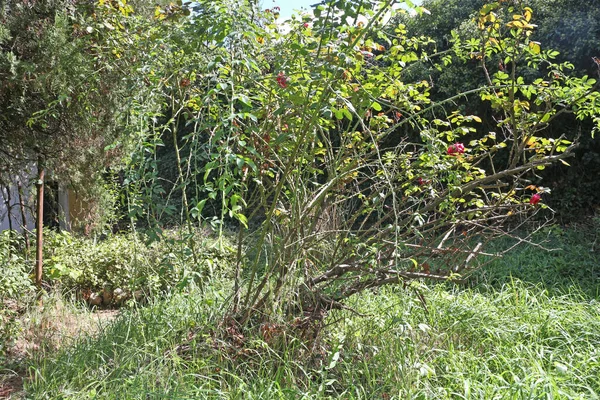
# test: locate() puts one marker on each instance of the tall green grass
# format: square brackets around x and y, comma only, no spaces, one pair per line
[515,342]
[572,262]
[504,338]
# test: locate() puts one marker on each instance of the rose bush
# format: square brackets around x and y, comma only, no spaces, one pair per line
[342,181]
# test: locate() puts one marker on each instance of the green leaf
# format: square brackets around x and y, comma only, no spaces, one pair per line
[338,113]
[242,218]
[347,113]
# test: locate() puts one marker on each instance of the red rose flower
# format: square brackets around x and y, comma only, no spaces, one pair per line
[456,148]
[282,80]
[535,199]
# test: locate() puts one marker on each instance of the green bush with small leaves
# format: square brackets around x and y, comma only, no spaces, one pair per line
[14,279]
[15,284]
[127,262]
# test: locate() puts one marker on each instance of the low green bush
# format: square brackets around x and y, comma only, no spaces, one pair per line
[14,279]
[15,284]
[125,264]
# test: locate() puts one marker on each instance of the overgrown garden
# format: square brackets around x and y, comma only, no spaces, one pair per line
[353,202]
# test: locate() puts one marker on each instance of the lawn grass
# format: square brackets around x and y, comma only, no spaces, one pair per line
[526,330]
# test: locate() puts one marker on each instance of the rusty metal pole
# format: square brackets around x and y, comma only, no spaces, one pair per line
[39,260]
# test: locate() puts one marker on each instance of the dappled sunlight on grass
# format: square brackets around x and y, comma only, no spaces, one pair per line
[571,266]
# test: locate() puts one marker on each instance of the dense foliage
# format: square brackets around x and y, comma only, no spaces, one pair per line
[125,262]
[54,96]
[570,27]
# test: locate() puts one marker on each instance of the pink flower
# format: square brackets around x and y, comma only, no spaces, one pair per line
[535,199]
[456,148]
[282,80]
[305,25]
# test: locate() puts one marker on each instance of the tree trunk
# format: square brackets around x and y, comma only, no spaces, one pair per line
[39,262]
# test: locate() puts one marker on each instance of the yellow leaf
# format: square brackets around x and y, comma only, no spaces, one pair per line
[535,47]
[516,24]
[491,42]
[531,142]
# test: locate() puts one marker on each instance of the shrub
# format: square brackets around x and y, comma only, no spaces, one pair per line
[14,279]
[126,262]
[15,284]
[341,173]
